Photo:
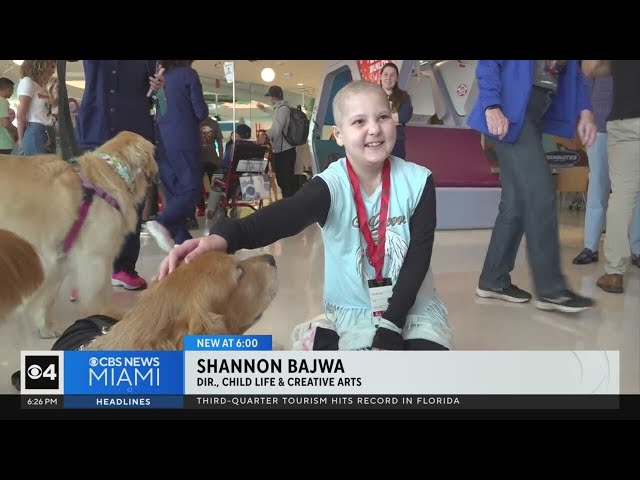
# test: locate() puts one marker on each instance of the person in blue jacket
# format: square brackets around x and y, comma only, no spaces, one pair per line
[179,151]
[518,101]
[115,100]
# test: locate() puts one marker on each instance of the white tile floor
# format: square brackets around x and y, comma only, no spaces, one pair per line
[478,324]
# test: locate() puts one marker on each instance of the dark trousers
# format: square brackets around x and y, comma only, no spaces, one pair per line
[181,175]
[527,206]
[209,169]
[128,256]
[284,166]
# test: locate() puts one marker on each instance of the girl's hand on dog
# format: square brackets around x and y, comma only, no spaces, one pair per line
[190,249]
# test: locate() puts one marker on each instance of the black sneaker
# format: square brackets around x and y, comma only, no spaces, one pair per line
[511,294]
[566,301]
[635,260]
[586,256]
[192,224]
[15,380]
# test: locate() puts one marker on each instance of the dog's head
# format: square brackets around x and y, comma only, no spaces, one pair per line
[215,294]
[235,291]
[137,155]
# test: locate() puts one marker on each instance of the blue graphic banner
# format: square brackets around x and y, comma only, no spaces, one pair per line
[123,373]
[228,342]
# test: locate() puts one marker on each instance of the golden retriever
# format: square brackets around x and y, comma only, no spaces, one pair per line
[215,294]
[20,272]
[40,197]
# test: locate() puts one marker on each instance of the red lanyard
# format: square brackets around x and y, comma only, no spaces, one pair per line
[374,252]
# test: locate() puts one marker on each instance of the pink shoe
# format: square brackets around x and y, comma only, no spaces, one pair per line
[73,296]
[128,280]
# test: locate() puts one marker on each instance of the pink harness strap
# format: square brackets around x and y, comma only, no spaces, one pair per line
[89,190]
[99,192]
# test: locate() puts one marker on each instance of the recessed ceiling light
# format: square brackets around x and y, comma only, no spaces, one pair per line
[300,84]
[267,74]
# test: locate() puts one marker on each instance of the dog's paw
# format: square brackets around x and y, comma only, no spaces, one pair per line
[46,332]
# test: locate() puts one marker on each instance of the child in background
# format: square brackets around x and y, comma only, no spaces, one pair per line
[6,138]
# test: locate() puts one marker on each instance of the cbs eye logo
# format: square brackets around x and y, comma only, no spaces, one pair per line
[41,372]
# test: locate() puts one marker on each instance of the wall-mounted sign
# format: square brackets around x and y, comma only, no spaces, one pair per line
[370,69]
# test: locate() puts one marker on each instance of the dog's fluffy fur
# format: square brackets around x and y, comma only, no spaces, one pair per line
[20,271]
[215,294]
[39,200]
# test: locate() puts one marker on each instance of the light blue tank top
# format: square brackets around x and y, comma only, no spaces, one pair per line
[347,269]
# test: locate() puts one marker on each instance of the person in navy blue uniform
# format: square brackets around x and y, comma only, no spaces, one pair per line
[179,151]
[115,100]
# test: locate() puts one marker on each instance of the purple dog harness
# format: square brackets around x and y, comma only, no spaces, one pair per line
[88,191]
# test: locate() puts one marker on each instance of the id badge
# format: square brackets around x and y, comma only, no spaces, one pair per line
[380,293]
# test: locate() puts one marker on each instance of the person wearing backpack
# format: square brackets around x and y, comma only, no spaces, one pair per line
[284,153]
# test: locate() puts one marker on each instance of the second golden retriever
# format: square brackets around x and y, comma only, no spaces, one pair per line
[20,272]
[215,294]
[40,200]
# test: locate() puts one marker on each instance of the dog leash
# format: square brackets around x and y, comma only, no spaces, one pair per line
[68,144]
[70,150]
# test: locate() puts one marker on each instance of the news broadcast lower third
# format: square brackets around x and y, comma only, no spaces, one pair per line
[244,372]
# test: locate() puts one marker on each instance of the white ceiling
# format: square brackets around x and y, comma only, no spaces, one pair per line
[289,73]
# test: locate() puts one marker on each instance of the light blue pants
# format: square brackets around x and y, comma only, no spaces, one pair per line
[38,139]
[598,199]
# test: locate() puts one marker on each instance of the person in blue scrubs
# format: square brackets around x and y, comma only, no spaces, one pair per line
[179,152]
[115,100]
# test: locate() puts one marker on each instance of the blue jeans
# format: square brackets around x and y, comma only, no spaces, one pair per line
[38,139]
[598,199]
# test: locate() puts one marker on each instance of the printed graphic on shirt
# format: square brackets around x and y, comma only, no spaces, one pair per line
[48,106]
[395,247]
[208,132]
[374,223]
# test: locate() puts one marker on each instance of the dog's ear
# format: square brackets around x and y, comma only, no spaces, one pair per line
[144,157]
[207,323]
[138,152]
[148,159]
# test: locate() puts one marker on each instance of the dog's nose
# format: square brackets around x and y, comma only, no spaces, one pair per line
[269,259]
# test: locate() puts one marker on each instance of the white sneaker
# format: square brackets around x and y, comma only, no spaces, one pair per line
[161,235]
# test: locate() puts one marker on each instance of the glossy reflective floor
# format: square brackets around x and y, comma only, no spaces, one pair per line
[478,324]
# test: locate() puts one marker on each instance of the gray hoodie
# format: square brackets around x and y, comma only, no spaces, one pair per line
[280,123]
